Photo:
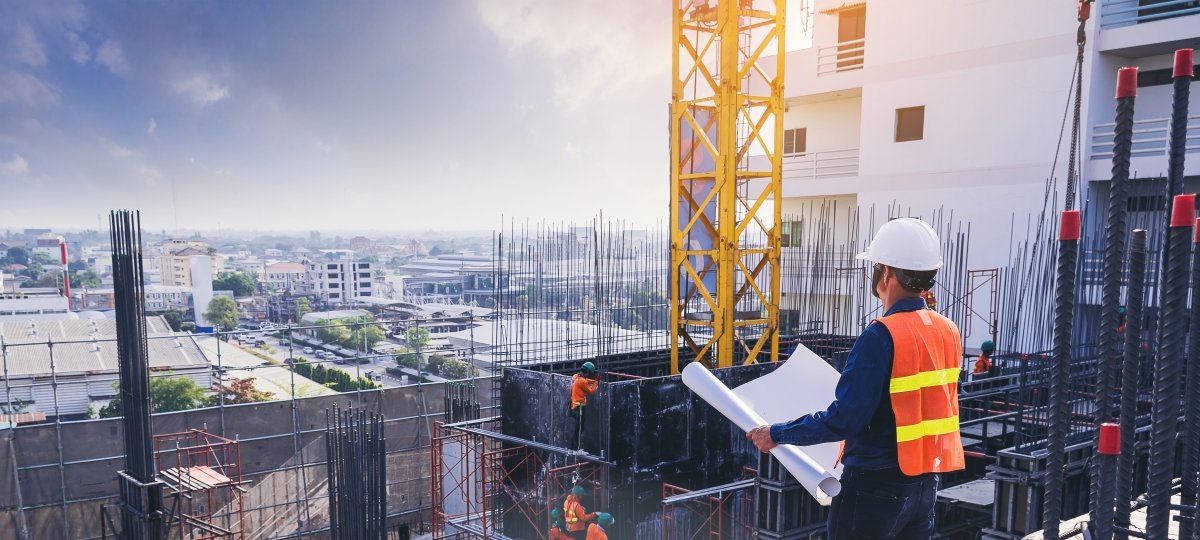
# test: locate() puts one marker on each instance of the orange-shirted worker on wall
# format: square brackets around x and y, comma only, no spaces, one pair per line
[556,530]
[983,364]
[583,384]
[896,403]
[576,516]
[599,529]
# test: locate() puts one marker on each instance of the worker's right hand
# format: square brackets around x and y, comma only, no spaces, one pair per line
[761,437]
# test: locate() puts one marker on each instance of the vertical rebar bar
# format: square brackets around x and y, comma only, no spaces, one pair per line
[1191,437]
[1064,314]
[1176,147]
[1130,373]
[1110,353]
[1168,368]
[1108,449]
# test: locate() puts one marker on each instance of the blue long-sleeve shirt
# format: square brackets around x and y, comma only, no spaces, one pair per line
[861,413]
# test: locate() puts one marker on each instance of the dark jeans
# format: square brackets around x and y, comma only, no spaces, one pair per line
[579,416]
[883,505]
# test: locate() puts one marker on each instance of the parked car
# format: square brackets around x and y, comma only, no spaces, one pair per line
[260,342]
[289,360]
[308,350]
[284,343]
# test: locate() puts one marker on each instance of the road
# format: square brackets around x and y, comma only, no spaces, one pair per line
[376,371]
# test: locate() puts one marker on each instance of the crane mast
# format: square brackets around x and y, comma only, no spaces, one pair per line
[726,149]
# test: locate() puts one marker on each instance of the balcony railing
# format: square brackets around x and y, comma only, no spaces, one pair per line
[820,165]
[1118,13]
[1150,137]
[844,56]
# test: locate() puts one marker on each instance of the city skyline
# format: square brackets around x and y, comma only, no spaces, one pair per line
[311,116]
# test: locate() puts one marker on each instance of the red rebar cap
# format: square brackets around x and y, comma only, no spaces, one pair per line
[1110,439]
[1127,82]
[1183,210]
[1196,237]
[1069,225]
[1183,64]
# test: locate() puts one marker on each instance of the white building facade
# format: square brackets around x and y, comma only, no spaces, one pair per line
[340,282]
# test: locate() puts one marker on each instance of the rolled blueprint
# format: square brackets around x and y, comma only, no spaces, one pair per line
[818,481]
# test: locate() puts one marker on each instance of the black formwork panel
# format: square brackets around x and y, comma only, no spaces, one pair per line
[783,508]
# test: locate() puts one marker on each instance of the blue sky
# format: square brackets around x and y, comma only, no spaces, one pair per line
[306,115]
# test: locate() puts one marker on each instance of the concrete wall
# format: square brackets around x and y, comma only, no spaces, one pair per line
[282,452]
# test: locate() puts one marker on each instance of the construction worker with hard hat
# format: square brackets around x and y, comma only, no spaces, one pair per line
[983,364]
[896,403]
[599,529]
[556,524]
[575,515]
[583,384]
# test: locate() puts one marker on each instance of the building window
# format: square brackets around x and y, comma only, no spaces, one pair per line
[335,295]
[364,274]
[852,29]
[795,141]
[790,232]
[332,275]
[910,124]
[332,267]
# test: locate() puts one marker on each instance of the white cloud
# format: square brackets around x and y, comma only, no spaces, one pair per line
[25,46]
[200,89]
[111,55]
[148,174]
[595,48]
[81,52]
[151,127]
[26,89]
[115,150]
[16,165]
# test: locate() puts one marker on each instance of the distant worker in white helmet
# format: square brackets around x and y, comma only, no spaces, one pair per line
[896,403]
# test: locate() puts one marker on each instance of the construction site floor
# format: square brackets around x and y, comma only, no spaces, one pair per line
[1137,523]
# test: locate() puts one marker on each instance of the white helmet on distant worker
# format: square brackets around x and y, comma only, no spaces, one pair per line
[905,243]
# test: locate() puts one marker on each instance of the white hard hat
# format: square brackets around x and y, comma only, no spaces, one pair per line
[905,243]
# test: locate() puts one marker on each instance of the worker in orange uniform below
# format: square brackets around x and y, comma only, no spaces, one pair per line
[983,365]
[583,384]
[598,530]
[896,403]
[556,530]
[576,515]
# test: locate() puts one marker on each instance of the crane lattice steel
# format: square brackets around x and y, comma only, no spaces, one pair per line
[726,145]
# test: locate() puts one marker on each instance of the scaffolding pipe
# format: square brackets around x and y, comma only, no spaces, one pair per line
[1168,367]
[1109,353]
[1060,374]
[1130,372]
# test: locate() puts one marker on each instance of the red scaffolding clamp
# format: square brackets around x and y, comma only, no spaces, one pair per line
[1084,10]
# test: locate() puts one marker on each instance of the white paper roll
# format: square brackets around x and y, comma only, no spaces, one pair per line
[819,483]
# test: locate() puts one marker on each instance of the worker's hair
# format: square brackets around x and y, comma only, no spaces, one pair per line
[915,281]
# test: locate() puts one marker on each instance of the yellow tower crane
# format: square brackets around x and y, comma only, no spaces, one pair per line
[726,145]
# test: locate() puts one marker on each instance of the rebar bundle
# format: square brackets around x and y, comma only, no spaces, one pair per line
[1130,372]
[141,493]
[357,472]
[1191,434]
[1168,367]
[1064,314]
[1115,233]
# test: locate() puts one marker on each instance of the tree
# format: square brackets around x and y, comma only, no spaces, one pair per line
[303,307]
[454,368]
[167,394]
[435,363]
[239,391]
[241,283]
[77,266]
[373,334]
[417,338]
[409,360]
[222,312]
[332,334]
[174,318]
[18,255]
[85,279]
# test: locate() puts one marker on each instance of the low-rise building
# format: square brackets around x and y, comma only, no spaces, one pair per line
[284,276]
[32,303]
[340,282]
[3,250]
[272,252]
[48,245]
[80,370]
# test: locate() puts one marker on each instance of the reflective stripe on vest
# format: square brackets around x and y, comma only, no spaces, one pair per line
[569,509]
[926,365]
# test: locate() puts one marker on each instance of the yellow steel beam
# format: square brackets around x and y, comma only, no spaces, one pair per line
[718,54]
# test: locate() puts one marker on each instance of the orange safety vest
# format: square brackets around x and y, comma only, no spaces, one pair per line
[924,391]
[558,534]
[581,388]
[575,514]
[982,365]
[595,532]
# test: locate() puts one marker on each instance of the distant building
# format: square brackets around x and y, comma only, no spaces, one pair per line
[85,364]
[272,252]
[32,303]
[176,262]
[360,244]
[157,298]
[339,282]
[3,250]
[285,276]
[253,266]
[47,245]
